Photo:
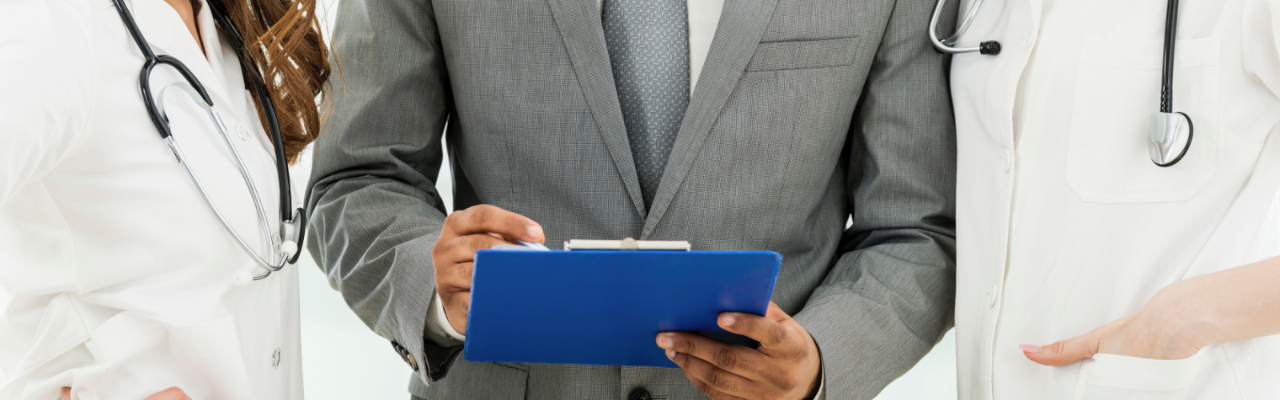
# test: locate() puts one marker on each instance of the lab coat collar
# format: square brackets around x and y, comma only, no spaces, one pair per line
[166,34]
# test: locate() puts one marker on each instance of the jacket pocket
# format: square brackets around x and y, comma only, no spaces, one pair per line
[1110,376]
[1117,90]
[822,53]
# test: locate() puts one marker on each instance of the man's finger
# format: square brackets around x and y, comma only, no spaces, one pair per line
[455,279]
[464,248]
[1064,352]
[714,379]
[485,219]
[737,359]
[66,393]
[707,390]
[771,334]
[775,313]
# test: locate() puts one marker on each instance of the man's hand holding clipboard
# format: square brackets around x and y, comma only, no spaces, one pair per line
[786,365]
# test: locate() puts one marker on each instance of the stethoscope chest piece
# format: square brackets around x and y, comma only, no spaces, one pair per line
[1170,137]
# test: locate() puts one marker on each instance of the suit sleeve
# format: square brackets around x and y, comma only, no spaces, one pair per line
[375,212]
[890,294]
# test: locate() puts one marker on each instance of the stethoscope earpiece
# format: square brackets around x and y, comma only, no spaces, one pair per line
[989,47]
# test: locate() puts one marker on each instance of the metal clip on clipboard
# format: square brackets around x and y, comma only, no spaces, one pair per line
[627,244]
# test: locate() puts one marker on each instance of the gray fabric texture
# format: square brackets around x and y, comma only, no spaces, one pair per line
[648,44]
[807,113]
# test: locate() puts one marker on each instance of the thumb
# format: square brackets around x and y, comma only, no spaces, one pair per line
[1064,352]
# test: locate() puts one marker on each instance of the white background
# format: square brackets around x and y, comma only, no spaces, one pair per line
[343,359]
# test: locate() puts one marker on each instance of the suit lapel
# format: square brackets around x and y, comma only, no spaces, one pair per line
[583,34]
[742,24]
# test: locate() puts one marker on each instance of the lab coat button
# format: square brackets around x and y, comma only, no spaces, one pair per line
[1028,40]
[1007,159]
[242,132]
[992,295]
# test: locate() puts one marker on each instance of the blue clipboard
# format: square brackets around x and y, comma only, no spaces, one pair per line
[606,307]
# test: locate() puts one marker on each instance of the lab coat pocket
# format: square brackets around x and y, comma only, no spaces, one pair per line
[1110,376]
[1117,90]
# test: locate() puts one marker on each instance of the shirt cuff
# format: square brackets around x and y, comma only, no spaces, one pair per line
[822,387]
[822,378]
[438,322]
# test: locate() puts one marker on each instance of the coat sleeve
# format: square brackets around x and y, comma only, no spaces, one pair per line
[890,294]
[45,94]
[375,212]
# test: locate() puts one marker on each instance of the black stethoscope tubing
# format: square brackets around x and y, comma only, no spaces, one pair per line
[162,124]
[1166,81]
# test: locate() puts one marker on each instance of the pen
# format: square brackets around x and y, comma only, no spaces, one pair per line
[534,245]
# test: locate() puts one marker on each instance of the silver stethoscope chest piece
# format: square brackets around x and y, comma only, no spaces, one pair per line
[1170,132]
[1170,137]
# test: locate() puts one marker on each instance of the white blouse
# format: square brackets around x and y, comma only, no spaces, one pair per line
[120,280]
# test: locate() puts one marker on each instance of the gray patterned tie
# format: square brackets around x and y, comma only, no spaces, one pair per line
[648,44]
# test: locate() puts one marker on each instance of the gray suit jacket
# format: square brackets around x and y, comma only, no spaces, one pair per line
[807,113]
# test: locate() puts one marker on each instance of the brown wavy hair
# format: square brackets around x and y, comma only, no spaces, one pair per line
[283,45]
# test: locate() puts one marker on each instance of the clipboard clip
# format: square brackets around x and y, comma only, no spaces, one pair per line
[627,244]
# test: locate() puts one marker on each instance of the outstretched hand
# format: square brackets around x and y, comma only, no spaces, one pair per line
[1143,334]
[785,366]
[172,393]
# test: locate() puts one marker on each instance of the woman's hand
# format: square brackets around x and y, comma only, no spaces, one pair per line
[172,393]
[1168,327]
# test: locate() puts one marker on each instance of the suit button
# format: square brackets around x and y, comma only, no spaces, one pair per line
[413,363]
[639,394]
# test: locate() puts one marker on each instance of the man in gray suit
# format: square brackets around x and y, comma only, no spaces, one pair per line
[733,124]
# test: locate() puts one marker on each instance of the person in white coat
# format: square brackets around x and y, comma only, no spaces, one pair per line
[118,278]
[1146,282]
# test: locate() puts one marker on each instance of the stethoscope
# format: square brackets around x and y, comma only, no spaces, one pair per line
[291,230]
[1170,133]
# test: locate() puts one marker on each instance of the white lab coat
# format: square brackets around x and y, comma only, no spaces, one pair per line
[1063,222]
[122,280]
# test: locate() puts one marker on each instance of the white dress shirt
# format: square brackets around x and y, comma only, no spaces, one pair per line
[122,281]
[704,18]
[1063,222]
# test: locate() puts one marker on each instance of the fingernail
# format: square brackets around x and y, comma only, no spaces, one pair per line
[535,232]
[728,319]
[664,341]
[1029,348]
[671,354]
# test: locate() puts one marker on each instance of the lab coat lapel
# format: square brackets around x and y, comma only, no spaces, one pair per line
[741,26]
[583,34]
